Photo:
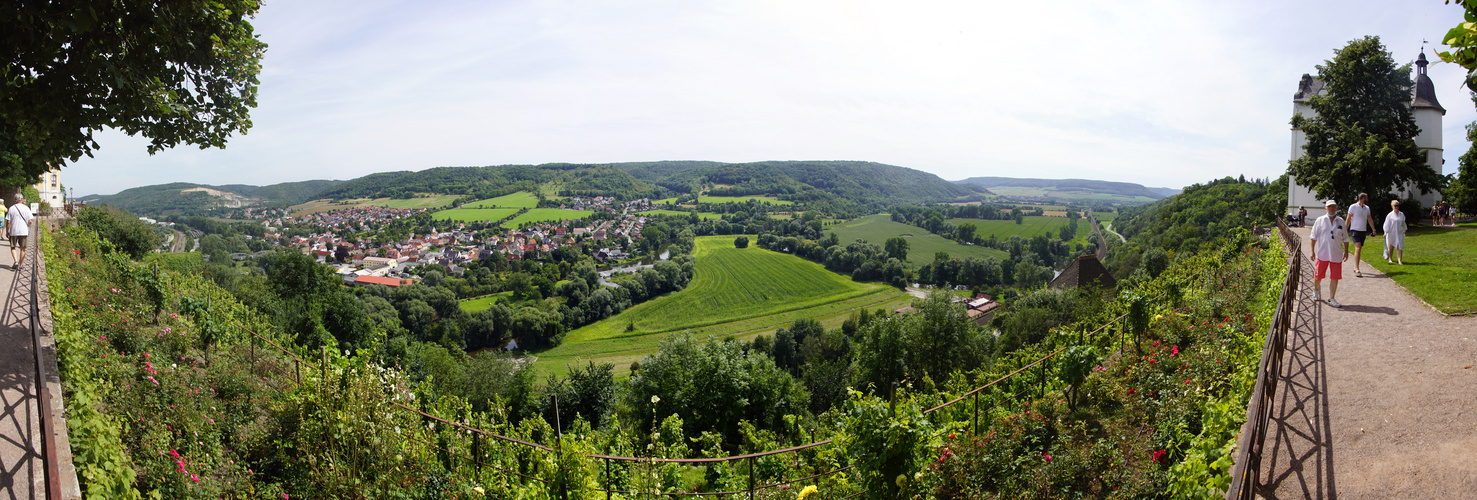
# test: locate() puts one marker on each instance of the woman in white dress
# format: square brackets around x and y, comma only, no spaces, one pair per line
[1395,233]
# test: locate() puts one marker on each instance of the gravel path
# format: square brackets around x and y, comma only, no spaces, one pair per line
[1378,398]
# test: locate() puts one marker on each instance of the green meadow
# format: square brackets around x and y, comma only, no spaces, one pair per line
[922,245]
[547,214]
[483,302]
[1440,266]
[316,206]
[734,292]
[521,199]
[474,214]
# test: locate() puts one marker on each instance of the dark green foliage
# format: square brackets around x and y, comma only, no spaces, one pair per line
[588,392]
[897,248]
[494,181]
[1363,137]
[712,386]
[933,342]
[1125,189]
[1201,217]
[741,242]
[127,233]
[172,198]
[178,73]
[1463,189]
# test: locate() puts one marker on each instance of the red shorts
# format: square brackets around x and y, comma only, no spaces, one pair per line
[1323,267]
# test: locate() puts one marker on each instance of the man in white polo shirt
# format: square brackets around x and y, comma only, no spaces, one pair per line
[1361,224]
[1328,232]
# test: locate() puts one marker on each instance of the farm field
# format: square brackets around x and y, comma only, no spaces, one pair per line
[1032,226]
[474,214]
[521,199]
[701,215]
[739,292]
[725,199]
[876,229]
[316,206]
[1034,192]
[480,303]
[547,214]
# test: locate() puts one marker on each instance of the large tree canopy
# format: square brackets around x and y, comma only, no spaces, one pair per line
[1363,137]
[183,71]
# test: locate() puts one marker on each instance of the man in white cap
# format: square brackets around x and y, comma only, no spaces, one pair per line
[1329,231]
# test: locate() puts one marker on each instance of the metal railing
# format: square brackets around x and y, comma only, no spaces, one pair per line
[43,394]
[1246,474]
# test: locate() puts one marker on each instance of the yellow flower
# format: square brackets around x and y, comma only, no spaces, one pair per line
[808,491]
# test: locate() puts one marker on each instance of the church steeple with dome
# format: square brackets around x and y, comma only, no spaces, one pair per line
[1426,110]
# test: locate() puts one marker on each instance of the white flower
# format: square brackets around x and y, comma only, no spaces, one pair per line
[655,399]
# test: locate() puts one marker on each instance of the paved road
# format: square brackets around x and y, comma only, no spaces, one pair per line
[21,474]
[1378,399]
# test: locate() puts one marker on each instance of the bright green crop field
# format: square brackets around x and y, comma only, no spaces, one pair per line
[521,199]
[474,214]
[701,215]
[547,214]
[1030,227]
[738,292]
[876,229]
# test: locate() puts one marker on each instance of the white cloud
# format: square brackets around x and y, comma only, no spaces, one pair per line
[1163,93]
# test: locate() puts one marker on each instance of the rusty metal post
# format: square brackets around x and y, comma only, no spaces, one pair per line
[974,428]
[609,480]
[477,453]
[751,471]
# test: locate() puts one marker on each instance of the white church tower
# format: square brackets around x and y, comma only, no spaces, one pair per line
[1427,112]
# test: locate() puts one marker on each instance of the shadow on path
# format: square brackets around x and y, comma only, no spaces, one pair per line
[21,474]
[1299,463]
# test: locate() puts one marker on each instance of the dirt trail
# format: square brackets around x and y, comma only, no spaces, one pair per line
[1378,398]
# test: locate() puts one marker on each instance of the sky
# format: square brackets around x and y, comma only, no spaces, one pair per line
[1160,93]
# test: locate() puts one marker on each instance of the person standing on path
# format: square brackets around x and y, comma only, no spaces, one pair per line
[19,220]
[1395,232]
[1361,224]
[1328,230]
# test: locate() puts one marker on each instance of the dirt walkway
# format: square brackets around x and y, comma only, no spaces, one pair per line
[1378,399]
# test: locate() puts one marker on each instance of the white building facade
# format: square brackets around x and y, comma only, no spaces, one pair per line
[1427,112]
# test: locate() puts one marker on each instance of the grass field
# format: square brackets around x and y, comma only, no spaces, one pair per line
[701,215]
[316,206]
[480,303]
[521,199]
[725,199]
[1440,266]
[1030,227]
[922,244]
[738,292]
[547,214]
[474,214]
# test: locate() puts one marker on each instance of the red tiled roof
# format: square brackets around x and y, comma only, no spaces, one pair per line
[377,280]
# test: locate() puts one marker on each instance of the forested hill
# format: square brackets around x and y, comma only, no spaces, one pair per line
[487,182]
[1201,217]
[187,198]
[1082,185]
[869,184]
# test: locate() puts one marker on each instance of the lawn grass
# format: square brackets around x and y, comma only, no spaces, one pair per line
[922,244]
[1440,266]
[474,214]
[701,215]
[734,292]
[521,199]
[480,303]
[547,214]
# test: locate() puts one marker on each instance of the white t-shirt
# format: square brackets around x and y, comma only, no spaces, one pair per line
[1329,233]
[1358,217]
[19,219]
